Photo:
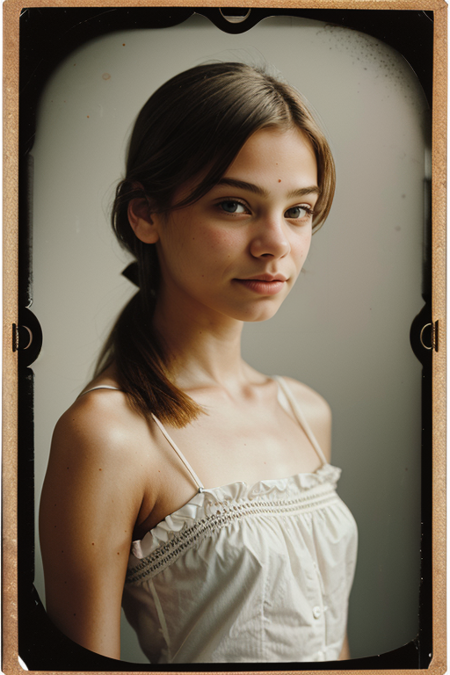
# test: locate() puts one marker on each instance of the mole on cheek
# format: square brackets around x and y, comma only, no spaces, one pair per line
[279,180]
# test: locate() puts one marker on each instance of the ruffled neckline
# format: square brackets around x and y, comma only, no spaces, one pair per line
[209,500]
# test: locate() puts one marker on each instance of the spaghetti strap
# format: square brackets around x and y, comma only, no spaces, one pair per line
[196,479]
[300,417]
[99,386]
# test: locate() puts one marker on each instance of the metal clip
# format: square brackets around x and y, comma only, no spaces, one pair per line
[434,336]
[23,342]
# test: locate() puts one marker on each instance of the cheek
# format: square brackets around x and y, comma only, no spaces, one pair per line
[220,244]
[301,248]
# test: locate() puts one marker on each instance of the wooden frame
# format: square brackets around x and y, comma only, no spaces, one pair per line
[12,10]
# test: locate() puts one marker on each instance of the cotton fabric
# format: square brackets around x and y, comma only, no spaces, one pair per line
[247,573]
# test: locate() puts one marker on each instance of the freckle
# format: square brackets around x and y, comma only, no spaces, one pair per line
[118,553]
[87,116]
[106,76]
[123,44]
[74,614]
[99,469]
[93,544]
[279,180]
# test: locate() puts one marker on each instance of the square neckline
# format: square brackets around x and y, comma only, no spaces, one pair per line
[309,479]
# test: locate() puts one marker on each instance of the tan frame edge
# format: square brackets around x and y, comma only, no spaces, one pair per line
[438,308]
[12,9]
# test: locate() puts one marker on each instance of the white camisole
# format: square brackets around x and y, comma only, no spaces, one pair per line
[246,573]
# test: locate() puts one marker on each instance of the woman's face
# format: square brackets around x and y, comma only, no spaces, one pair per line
[239,249]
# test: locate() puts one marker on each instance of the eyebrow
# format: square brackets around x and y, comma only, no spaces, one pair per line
[251,187]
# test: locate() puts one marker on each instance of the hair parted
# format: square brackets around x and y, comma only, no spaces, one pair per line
[198,120]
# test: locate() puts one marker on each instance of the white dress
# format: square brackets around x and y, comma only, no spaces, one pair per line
[247,573]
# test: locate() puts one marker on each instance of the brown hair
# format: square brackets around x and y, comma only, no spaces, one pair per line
[199,119]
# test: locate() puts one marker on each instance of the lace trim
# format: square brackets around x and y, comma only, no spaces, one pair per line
[168,553]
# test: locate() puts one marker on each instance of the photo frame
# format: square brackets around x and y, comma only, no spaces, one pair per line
[52,34]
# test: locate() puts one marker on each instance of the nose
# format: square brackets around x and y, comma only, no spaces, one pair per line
[270,239]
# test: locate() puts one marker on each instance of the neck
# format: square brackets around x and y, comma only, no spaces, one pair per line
[204,348]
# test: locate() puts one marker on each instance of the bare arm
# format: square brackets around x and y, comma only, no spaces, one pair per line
[345,651]
[89,505]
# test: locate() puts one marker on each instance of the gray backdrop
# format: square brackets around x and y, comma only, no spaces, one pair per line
[344,330]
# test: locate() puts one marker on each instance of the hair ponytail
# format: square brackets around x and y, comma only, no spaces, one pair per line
[140,362]
[199,119]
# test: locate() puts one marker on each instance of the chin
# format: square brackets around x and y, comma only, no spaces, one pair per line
[257,314]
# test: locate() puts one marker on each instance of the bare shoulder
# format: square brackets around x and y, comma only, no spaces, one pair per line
[309,399]
[100,415]
[100,425]
[100,446]
[316,410]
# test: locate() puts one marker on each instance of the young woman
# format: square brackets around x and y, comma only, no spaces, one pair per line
[227,177]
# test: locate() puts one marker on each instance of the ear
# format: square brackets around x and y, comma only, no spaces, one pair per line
[143,222]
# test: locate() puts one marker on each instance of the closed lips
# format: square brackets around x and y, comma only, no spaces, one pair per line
[262,286]
[265,277]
